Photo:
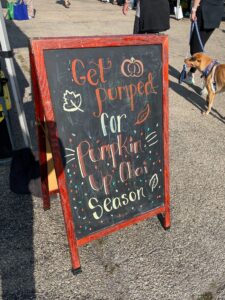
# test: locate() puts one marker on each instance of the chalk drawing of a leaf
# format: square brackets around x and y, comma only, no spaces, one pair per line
[72,101]
[143,115]
[153,182]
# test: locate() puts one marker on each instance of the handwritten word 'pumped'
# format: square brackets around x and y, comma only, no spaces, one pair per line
[129,92]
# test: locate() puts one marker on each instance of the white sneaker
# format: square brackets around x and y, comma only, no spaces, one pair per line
[189,78]
[204,92]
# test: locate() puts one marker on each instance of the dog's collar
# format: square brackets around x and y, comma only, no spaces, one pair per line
[209,68]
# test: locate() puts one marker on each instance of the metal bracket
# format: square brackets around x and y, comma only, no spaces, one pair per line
[6,54]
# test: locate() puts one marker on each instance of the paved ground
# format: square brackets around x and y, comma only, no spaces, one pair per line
[141,262]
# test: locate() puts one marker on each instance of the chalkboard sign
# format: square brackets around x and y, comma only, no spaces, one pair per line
[104,100]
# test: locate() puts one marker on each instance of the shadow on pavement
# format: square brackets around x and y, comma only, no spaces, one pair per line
[16,211]
[16,225]
[16,243]
[60,2]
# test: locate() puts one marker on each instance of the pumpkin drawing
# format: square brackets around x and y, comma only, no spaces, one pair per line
[132,68]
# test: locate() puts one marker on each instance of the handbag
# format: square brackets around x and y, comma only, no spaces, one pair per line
[20,11]
[178,11]
[183,73]
[10,11]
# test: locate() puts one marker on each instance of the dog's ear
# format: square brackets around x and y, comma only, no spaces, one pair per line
[197,57]
[193,58]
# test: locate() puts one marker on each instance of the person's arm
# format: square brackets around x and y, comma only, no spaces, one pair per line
[195,5]
[125,7]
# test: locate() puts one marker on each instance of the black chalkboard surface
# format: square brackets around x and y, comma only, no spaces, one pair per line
[107,97]
[108,107]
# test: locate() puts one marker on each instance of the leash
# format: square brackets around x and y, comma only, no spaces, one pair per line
[194,26]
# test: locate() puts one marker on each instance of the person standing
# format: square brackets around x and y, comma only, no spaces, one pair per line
[208,14]
[30,8]
[152,16]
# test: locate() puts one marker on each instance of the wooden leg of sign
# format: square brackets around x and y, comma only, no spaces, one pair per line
[75,259]
[43,166]
[76,267]
[76,271]
[166,222]
[39,117]
[164,219]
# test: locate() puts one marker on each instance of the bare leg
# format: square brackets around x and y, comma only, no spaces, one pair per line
[30,8]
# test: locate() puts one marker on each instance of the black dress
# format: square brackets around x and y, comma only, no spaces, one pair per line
[212,13]
[154,16]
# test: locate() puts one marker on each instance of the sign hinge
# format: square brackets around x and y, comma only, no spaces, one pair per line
[6,54]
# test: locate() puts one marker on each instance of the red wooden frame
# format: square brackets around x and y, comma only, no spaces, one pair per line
[44,113]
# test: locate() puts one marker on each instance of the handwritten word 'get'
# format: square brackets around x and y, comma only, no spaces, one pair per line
[93,74]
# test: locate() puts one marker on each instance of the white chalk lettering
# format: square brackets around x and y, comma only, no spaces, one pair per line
[112,204]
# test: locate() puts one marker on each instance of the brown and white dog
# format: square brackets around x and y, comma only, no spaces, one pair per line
[212,72]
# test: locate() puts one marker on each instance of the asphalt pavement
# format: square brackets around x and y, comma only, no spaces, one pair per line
[140,262]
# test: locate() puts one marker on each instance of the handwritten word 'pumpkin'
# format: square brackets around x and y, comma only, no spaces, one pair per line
[143,115]
[132,68]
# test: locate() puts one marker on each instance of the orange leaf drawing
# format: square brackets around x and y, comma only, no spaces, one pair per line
[143,115]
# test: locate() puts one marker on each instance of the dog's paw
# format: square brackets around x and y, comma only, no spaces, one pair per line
[205,113]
